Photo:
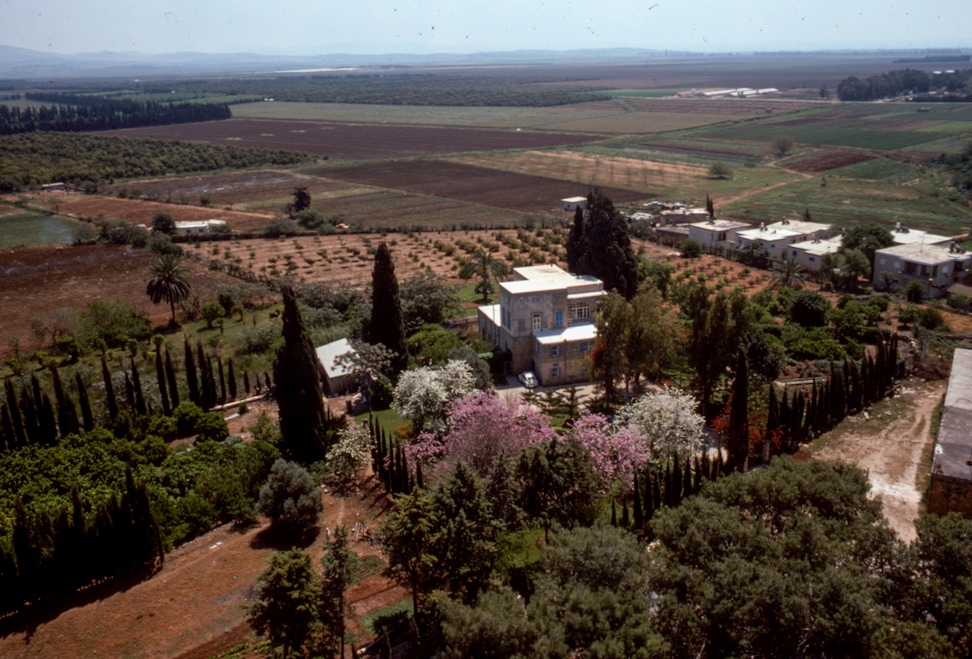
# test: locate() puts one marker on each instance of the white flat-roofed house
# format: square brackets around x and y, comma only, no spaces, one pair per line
[904,236]
[810,253]
[573,203]
[196,228]
[547,304]
[777,238]
[716,233]
[936,266]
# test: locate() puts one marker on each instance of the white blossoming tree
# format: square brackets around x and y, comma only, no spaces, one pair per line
[423,394]
[348,454]
[667,422]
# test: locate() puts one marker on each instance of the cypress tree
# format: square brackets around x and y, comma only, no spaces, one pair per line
[137,386]
[303,423]
[246,382]
[614,513]
[192,380]
[170,377]
[231,376]
[13,407]
[163,383]
[625,520]
[656,493]
[739,413]
[110,401]
[650,500]
[222,381]
[87,419]
[387,326]
[687,489]
[129,391]
[7,439]
[639,518]
[29,410]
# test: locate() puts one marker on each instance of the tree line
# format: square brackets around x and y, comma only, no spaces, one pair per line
[397,89]
[40,157]
[915,82]
[74,113]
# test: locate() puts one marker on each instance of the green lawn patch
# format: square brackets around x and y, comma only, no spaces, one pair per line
[386,419]
[877,169]
[401,606]
[28,229]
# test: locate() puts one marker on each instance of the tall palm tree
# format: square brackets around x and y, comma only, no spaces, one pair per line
[167,282]
[484,267]
[788,272]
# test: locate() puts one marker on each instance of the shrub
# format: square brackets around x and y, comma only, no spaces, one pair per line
[691,249]
[290,498]
[187,417]
[809,308]
[915,291]
[211,426]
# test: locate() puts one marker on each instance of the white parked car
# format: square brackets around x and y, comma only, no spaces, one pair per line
[528,379]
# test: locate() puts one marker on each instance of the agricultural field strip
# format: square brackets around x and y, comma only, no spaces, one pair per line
[355,141]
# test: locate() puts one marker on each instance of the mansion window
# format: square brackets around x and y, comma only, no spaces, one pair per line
[580,311]
[537,324]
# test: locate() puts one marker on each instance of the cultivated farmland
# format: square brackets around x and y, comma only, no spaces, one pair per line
[353,141]
[520,192]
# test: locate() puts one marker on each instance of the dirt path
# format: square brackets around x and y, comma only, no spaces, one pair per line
[194,607]
[892,442]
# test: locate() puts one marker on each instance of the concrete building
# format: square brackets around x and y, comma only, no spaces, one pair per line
[810,253]
[573,203]
[951,478]
[545,318]
[338,378]
[779,236]
[716,233]
[904,236]
[200,227]
[936,266]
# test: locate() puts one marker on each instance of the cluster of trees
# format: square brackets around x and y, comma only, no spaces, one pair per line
[396,90]
[847,390]
[884,85]
[788,561]
[960,166]
[52,556]
[599,245]
[75,113]
[90,161]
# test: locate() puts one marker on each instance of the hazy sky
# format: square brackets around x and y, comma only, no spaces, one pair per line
[422,26]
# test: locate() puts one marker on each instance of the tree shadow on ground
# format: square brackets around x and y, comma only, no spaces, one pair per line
[27,620]
[280,539]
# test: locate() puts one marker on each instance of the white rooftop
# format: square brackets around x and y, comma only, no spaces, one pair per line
[577,332]
[537,278]
[819,247]
[720,225]
[327,353]
[924,254]
[906,236]
[784,229]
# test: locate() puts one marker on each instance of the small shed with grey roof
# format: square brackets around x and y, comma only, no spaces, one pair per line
[951,478]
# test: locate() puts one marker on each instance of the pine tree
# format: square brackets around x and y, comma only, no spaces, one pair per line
[303,424]
[387,326]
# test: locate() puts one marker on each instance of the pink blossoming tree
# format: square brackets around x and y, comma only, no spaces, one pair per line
[481,427]
[617,452]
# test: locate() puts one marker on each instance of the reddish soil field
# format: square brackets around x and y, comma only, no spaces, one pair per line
[170,615]
[353,141]
[41,280]
[829,160]
[490,187]
[243,188]
[142,212]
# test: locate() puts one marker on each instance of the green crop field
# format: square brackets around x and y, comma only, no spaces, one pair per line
[857,137]
[845,201]
[27,229]
[878,169]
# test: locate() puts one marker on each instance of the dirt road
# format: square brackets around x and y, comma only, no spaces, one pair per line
[893,442]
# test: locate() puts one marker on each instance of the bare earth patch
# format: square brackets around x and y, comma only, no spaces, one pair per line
[890,443]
